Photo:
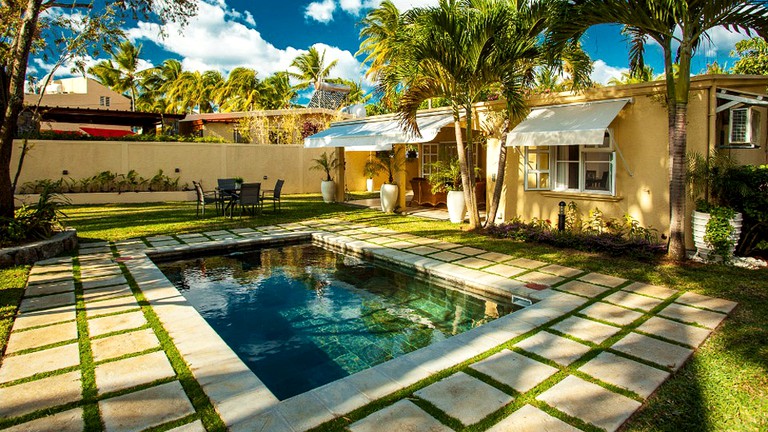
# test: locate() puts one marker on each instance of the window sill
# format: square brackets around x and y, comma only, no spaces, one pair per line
[581,196]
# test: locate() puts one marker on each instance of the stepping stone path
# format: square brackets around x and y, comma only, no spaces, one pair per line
[590,351]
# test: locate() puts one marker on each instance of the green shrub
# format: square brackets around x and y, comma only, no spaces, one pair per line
[39,221]
[106,181]
[80,136]
[745,189]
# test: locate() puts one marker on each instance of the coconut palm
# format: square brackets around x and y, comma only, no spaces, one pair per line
[121,73]
[194,91]
[630,77]
[381,36]
[276,92]
[678,27]
[312,69]
[356,93]
[240,92]
[155,85]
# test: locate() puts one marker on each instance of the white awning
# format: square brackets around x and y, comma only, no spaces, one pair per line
[378,133]
[573,124]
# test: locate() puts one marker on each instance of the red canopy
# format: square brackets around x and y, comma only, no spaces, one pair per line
[106,133]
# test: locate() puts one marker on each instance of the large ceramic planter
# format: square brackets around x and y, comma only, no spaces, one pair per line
[369,185]
[699,223]
[328,189]
[388,197]
[456,207]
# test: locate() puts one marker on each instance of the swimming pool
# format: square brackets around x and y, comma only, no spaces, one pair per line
[302,316]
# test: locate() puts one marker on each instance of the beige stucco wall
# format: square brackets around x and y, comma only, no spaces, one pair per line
[195,161]
[640,130]
[81,93]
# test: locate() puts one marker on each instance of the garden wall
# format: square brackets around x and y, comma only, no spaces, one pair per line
[194,161]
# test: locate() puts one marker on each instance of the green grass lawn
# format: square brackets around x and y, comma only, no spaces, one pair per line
[723,387]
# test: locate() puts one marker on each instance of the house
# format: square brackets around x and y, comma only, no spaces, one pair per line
[285,126]
[606,148]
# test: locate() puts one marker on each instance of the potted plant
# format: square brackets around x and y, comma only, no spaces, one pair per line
[411,151]
[388,162]
[370,170]
[326,164]
[716,227]
[238,182]
[446,176]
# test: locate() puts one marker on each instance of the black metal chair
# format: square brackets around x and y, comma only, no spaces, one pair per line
[274,195]
[250,196]
[227,194]
[204,198]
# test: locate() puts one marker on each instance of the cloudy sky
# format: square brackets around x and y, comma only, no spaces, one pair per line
[268,34]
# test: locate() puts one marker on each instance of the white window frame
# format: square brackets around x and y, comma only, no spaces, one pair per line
[531,170]
[430,152]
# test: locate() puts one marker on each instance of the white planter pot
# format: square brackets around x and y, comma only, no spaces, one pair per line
[388,197]
[369,185]
[700,228]
[456,207]
[328,189]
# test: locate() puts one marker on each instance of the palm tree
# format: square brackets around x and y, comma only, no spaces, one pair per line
[276,92]
[356,93]
[156,85]
[195,91]
[630,77]
[312,68]
[240,92]
[381,37]
[678,27]
[120,73]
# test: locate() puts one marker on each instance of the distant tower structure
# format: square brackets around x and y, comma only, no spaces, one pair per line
[329,96]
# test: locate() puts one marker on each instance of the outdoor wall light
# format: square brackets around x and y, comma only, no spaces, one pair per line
[65,172]
[178,170]
[561,217]
[493,177]
[265,177]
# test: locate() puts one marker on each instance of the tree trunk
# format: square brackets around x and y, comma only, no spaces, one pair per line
[18,72]
[677,183]
[462,164]
[490,216]
[469,185]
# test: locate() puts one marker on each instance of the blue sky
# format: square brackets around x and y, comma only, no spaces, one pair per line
[268,34]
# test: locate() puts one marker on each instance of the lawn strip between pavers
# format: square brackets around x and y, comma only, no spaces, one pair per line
[119,332]
[173,424]
[12,282]
[200,401]
[437,413]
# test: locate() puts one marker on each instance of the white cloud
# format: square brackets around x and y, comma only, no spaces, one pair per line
[602,72]
[321,11]
[249,18]
[351,6]
[721,40]
[214,40]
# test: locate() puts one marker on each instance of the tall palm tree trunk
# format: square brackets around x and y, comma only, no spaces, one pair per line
[677,182]
[465,181]
[15,102]
[469,185]
[490,215]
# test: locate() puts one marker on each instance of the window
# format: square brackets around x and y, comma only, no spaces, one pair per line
[575,168]
[101,100]
[106,101]
[433,152]
[537,168]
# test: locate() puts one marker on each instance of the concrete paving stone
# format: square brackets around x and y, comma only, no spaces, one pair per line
[708,319]
[650,290]
[113,323]
[633,301]
[44,393]
[365,236]
[590,402]
[267,420]
[113,305]
[515,370]
[100,272]
[586,329]
[44,317]
[561,271]
[469,251]
[195,426]
[108,292]
[625,373]
[675,331]
[45,278]
[30,304]
[473,262]
[123,343]
[50,288]
[602,279]
[653,350]
[423,241]
[381,240]
[614,314]
[531,419]
[526,263]
[582,288]
[403,370]
[55,261]
[20,341]
[104,281]
[65,421]
[58,267]
[238,231]
[373,383]
[540,278]
[400,245]
[146,408]
[706,302]
[550,308]
[404,416]
[558,349]
[507,271]
[495,257]
[133,371]
[25,365]
[445,245]
[340,397]
[447,256]
[465,398]
[198,235]
[197,240]
[422,250]
[304,411]
[159,238]
[350,232]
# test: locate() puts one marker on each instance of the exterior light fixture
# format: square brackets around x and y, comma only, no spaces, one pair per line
[561,217]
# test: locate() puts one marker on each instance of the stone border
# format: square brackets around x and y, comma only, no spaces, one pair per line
[115,197]
[30,253]
[241,398]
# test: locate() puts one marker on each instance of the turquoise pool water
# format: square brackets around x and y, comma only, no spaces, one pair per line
[302,316]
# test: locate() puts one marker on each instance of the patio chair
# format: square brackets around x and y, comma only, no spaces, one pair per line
[204,198]
[250,196]
[274,195]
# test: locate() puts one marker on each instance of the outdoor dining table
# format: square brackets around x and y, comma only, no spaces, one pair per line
[229,199]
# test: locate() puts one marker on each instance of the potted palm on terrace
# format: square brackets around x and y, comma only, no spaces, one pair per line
[326,164]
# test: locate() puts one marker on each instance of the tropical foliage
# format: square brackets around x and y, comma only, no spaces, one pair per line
[753,57]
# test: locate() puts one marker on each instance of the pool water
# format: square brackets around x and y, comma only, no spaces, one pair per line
[302,316]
